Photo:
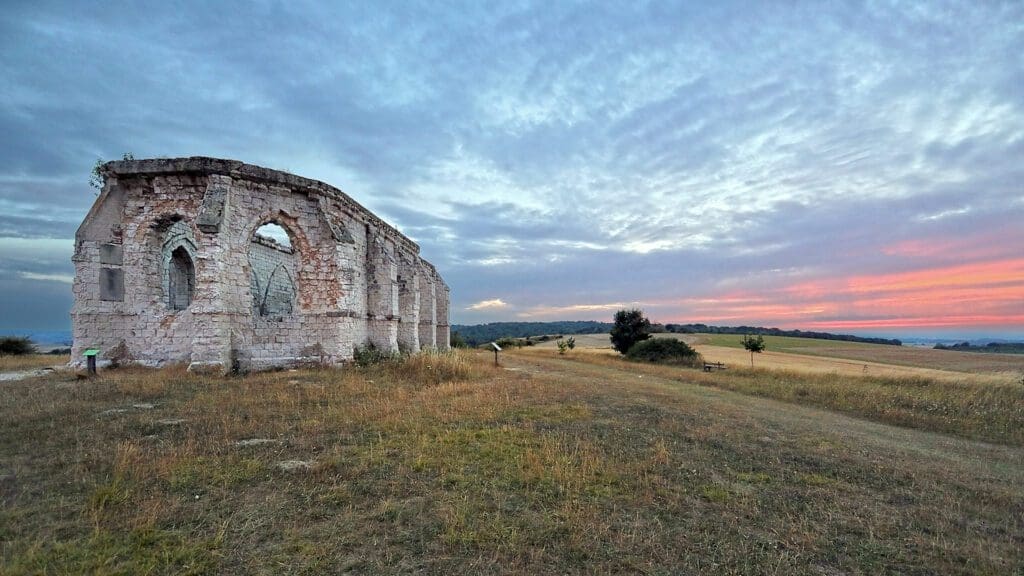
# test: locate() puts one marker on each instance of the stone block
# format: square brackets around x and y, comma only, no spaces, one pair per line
[214,203]
[111,254]
[112,284]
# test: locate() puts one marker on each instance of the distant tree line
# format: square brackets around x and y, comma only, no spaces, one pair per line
[991,347]
[474,335]
[760,331]
[483,333]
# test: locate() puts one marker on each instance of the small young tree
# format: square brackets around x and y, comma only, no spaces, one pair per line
[457,341]
[753,345]
[96,178]
[630,327]
[566,345]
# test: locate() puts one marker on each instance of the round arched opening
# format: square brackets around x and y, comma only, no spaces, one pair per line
[274,232]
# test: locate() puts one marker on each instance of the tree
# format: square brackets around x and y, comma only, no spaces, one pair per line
[630,327]
[754,345]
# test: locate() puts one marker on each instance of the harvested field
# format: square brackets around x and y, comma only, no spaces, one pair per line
[972,362]
[816,356]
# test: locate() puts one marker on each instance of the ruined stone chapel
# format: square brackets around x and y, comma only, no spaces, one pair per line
[172,266]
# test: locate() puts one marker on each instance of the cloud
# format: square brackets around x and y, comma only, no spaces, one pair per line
[63,278]
[495,304]
[573,310]
[554,155]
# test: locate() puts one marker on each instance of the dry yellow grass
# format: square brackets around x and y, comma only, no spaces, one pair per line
[824,365]
[31,361]
[444,464]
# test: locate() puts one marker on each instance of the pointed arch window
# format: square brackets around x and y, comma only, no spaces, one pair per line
[181,276]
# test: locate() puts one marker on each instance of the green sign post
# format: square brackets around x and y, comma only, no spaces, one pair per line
[90,360]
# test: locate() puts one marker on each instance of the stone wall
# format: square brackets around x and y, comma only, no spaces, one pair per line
[169,270]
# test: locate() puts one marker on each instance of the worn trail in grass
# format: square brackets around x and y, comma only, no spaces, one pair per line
[966,407]
[446,466]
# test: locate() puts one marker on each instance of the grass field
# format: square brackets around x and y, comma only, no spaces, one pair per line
[445,464]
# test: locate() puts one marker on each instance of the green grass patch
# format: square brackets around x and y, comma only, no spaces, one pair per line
[549,413]
[715,493]
[145,551]
[754,477]
[787,344]
[212,472]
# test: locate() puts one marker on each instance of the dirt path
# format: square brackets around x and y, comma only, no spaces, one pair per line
[22,374]
[783,422]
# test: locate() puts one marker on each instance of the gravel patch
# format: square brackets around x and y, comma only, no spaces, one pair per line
[295,465]
[256,442]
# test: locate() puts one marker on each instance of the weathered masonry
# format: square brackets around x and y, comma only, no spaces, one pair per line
[171,265]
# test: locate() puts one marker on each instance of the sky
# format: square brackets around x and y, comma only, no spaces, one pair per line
[843,166]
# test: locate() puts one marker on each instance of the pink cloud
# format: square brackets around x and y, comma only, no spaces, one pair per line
[964,295]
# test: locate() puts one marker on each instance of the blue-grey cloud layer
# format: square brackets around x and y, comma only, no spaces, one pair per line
[547,154]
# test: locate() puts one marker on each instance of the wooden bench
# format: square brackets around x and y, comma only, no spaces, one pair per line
[709,366]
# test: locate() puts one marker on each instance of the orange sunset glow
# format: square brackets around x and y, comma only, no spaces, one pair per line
[967,295]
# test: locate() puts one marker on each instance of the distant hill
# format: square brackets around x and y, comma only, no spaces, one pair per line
[480,333]
[991,347]
[705,329]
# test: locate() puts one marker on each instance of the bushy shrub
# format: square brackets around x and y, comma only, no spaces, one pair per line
[509,342]
[432,367]
[369,355]
[16,346]
[665,351]
[457,341]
